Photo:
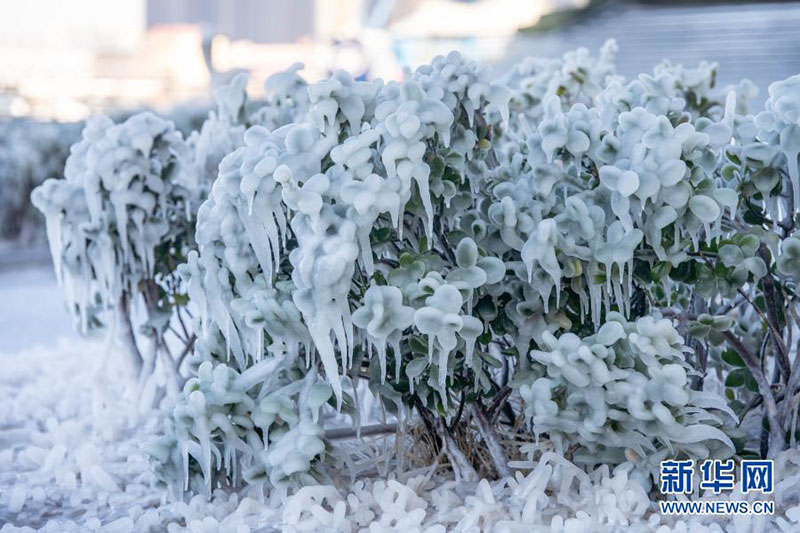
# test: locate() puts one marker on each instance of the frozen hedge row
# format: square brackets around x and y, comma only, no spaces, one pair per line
[30,152]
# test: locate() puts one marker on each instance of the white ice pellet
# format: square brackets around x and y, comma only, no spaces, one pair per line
[121,525]
[102,478]
[17,499]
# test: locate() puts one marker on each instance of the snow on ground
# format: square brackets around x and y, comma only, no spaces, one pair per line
[31,309]
[71,459]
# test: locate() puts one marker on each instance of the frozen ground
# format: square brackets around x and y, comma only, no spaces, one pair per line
[71,460]
[31,309]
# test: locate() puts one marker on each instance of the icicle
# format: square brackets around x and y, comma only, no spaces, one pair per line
[320,334]
[730,109]
[184,444]
[398,358]
[343,330]
[366,248]
[380,346]
[274,239]
[470,353]
[357,410]
[259,343]
[421,175]
[582,304]
[629,295]
[595,295]
[121,215]
[773,208]
[228,323]
[443,356]
[617,287]
[53,229]
[676,233]
[261,247]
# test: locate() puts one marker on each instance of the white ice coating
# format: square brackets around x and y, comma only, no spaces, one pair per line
[655,179]
[288,226]
[782,119]
[351,217]
[384,317]
[611,405]
[324,182]
[119,199]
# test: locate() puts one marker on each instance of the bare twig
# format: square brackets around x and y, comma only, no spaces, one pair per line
[493,409]
[499,459]
[776,443]
[128,333]
[366,431]
[186,350]
[460,411]
[462,469]
[781,352]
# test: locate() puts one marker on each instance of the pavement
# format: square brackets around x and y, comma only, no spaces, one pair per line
[32,310]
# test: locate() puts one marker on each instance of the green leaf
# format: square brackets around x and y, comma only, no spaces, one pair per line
[380,235]
[730,394]
[491,360]
[437,166]
[736,378]
[660,270]
[750,383]
[417,345]
[732,358]
[406,259]
[423,244]
[486,308]
[733,158]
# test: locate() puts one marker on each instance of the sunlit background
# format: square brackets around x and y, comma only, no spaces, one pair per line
[65,60]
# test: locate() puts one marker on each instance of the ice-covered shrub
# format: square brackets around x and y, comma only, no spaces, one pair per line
[123,218]
[119,222]
[298,212]
[607,266]
[447,243]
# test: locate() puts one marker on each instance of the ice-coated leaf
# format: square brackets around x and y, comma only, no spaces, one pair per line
[320,393]
[610,332]
[416,367]
[466,253]
[704,208]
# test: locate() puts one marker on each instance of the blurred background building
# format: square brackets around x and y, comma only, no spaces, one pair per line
[65,60]
[747,39]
